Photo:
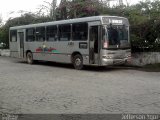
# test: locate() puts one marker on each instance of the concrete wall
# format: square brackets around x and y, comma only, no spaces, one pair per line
[144,58]
[5,52]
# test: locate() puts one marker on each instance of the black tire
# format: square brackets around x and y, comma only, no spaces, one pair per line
[29,58]
[78,62]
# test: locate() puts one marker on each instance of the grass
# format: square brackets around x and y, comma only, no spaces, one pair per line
[152,67]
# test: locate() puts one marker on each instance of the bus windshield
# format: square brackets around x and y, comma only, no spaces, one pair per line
[116,35]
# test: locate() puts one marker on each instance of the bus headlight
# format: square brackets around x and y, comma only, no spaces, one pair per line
[106,57]
[129,55]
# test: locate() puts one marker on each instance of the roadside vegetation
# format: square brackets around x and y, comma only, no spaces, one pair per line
[151,68]
[144,18]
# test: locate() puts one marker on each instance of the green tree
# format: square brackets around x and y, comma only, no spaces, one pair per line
[48,9]
[144,18]
[0,21]
[4,36]
[24,19]
[78,8]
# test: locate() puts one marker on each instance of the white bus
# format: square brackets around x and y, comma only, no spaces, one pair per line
[97,40]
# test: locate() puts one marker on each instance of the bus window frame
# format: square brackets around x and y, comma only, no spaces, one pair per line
[56,34]
[15,36]
[42,35]
[59,34]
[33,35]
[84,32]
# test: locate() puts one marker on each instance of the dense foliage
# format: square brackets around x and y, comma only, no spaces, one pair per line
[28,18]
[144,18]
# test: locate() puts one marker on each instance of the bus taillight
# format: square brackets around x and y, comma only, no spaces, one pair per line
[105,44]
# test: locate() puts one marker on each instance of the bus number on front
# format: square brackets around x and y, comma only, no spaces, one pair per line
[115,21]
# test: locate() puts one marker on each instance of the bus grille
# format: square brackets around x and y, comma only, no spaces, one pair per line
[118,56]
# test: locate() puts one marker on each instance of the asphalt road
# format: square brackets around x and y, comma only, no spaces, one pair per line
[58,88]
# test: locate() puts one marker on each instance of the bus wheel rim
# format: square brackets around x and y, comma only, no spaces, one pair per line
[78,62]
[29,58]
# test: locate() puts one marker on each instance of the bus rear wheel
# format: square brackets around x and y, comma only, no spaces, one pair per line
[78,62]
[29,58]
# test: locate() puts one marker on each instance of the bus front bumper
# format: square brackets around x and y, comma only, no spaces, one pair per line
[106,62]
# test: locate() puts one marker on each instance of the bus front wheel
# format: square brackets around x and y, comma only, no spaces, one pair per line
[78,62]
[29,58]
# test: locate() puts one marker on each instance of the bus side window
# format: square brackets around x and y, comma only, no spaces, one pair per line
[51,33]
[30,34]
[80,31]
[13,35]
[64,32]
[40,34]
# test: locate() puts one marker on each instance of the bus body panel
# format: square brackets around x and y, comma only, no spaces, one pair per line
[17,47]
[62,51]
[14,49]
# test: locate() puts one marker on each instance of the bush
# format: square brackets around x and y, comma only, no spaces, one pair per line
[145,37]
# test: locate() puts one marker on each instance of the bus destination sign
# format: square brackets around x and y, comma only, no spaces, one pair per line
[107,20]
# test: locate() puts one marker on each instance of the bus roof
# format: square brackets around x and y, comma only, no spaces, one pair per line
[68,21]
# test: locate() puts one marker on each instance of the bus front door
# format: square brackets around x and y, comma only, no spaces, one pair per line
[94,47]
[21,43]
